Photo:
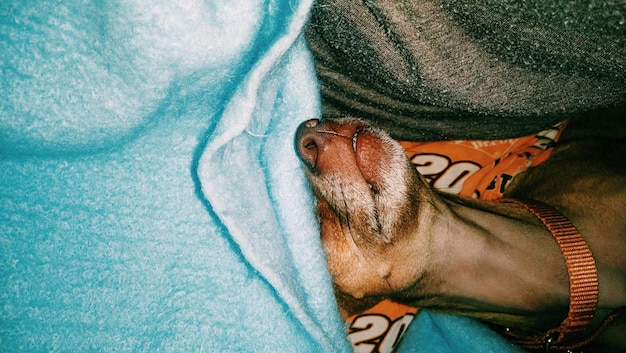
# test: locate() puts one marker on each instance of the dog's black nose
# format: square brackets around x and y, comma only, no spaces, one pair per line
[307,141]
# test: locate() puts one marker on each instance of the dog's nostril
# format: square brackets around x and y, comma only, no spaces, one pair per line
[308,142]
[310,145]
[308,150]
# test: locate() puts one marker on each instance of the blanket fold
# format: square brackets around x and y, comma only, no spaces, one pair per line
[150,196]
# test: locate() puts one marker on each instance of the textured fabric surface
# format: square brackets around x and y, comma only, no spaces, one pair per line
[150,196]
[122,124]
[438,69]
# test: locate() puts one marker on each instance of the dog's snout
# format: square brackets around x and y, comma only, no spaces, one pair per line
[307,142]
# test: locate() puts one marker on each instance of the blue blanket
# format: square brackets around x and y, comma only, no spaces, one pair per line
[150,196]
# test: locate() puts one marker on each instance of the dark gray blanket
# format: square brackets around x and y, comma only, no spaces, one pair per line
[432,70]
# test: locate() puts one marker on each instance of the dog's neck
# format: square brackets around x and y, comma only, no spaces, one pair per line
[505,269]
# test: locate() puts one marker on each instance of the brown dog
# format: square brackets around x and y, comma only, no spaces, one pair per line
[387,234]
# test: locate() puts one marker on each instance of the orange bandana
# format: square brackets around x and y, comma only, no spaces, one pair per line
[478,169]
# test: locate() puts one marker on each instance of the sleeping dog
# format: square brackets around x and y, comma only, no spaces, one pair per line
[388,235]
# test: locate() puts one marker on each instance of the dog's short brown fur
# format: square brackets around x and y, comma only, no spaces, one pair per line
[388,235]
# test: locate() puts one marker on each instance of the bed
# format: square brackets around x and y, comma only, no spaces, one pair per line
[150,196]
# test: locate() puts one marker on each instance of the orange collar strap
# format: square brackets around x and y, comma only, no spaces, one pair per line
[583,280]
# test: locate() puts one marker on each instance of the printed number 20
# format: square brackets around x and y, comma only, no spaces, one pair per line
[442,173]
[375,333]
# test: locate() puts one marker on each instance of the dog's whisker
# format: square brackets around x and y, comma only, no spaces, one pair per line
[349,224]
[347,213]
[330,132]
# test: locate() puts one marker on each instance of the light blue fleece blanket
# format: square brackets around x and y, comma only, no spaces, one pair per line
[150,196]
